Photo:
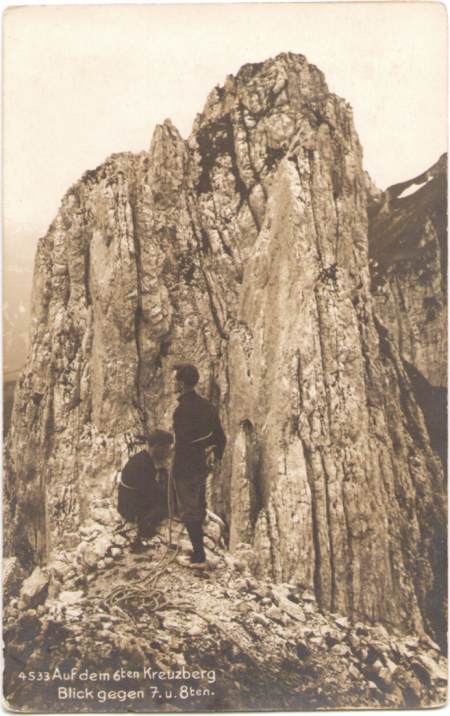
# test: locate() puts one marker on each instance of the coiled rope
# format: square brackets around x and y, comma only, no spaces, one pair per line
[143,595]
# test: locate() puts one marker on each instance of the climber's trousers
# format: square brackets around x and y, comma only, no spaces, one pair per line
[190,490]
[195,532]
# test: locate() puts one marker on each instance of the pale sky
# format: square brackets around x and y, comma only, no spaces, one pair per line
[84,81]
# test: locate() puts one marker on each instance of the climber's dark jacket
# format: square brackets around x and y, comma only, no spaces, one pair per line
[140,495]
[197,426]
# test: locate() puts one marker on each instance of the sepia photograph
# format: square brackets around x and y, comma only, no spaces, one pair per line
[225,357]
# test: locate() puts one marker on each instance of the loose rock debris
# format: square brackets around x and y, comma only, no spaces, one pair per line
[102,628]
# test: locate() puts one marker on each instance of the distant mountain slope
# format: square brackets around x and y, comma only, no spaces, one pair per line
[408,265]
[8,402]
[397,218]
[19,249]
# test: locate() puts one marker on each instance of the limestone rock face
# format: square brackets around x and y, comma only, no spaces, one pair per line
[321,385]
[243,250]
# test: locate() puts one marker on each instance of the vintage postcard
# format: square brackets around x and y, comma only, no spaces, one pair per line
[225,357]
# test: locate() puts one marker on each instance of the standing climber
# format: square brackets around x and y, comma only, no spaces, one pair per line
[197,429]
[142,489]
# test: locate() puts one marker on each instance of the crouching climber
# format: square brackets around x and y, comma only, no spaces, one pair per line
[143,486]
[197,430]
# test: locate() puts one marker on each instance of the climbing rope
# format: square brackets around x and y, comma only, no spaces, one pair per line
[143,595]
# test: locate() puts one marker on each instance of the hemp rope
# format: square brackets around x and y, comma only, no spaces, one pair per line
[152,599]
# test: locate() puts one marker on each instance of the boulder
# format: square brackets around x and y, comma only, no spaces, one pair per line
[425,639]
[90,527]
[96,551]
[392,666]
[252,583]
[294,610]
[241,585]
[69,597]
[303,650]
[317,640]
[35,588]
[309,608]
[380,632]
[102,515]
[274,613]
[340,650]
[195,630]
[412,643]
[246,553]
[342,622]
[212,530]
[261,619]
[60,569]
[264,592]
[242,607]
[435,671]
[280,590]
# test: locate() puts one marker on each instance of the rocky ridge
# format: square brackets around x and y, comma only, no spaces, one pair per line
[237,641]
[408,257]
[245,251]
[408,266]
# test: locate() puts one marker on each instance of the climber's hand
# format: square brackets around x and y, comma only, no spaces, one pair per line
[210,456]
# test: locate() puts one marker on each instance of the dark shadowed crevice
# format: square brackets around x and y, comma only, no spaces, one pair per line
[216,140]
[214,394]
[225,246]
[318,565]
[240,185]
[274,157]
[330,536]
[409,406]
[205,243]
[252,472]
[256,177]
[433,404]
[87,275]
[213,308]
[259,488]
[138,314]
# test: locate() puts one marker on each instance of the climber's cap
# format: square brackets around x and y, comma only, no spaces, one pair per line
[187,373]
[160,437]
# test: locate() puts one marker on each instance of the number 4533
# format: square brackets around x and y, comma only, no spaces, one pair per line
[35,676]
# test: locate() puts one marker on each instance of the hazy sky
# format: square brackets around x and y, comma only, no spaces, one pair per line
[84,81]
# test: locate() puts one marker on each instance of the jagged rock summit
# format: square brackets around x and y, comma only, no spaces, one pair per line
[243,250]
